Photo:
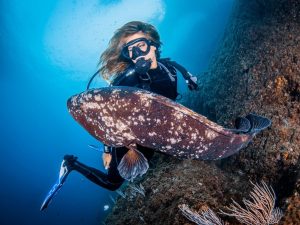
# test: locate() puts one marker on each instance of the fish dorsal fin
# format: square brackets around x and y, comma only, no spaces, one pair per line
[133,164]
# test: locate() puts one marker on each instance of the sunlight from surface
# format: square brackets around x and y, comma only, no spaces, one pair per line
[79,31]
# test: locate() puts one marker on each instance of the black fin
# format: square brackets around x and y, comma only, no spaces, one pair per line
[242,124]
[258,123]
[133,164]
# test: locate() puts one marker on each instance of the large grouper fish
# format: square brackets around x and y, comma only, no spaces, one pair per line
[128,116]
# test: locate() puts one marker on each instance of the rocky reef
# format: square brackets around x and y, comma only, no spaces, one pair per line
[256,69]
[171,182]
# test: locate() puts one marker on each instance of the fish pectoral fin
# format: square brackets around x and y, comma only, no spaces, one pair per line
[133,164]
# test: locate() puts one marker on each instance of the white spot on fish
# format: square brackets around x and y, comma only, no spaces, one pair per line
[179,129]
[151,134]
[194,136]
[141,118]
[90,105]
[178,115]
[98,98]
[210,134]
[129,136]
[136,110]
[173,141]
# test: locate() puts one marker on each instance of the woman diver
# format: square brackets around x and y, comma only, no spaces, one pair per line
[131,59]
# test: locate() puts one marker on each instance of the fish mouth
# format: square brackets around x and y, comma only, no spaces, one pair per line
[70,103]
[73,104]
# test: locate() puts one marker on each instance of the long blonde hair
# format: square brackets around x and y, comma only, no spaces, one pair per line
[111,62]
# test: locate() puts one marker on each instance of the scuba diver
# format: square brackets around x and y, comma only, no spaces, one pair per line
[131,59]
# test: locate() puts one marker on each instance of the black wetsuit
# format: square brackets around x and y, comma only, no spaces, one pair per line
[163,81]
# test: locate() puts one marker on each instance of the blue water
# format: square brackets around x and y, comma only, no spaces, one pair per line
[49,49]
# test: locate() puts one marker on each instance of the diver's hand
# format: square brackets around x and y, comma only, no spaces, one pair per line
[106,157]
[192,83]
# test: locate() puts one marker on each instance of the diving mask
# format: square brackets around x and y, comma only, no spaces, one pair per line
[136,48]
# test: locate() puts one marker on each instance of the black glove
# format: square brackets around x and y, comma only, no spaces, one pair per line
[107,149]
[192,83]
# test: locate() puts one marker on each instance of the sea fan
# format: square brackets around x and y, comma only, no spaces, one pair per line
[137,189]
[204,217]
[259,210]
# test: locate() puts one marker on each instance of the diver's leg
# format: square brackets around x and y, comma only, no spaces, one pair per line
[94,175]
[117,154]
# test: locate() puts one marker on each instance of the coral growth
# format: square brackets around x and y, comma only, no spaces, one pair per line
[203,217]
[171,182]
[260,210]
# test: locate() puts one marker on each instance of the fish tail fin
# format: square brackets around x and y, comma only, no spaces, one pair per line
[242,125]
[258,123]
[251,124]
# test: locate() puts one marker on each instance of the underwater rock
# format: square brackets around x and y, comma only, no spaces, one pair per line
[171,182]
[256,69]
[292,214]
